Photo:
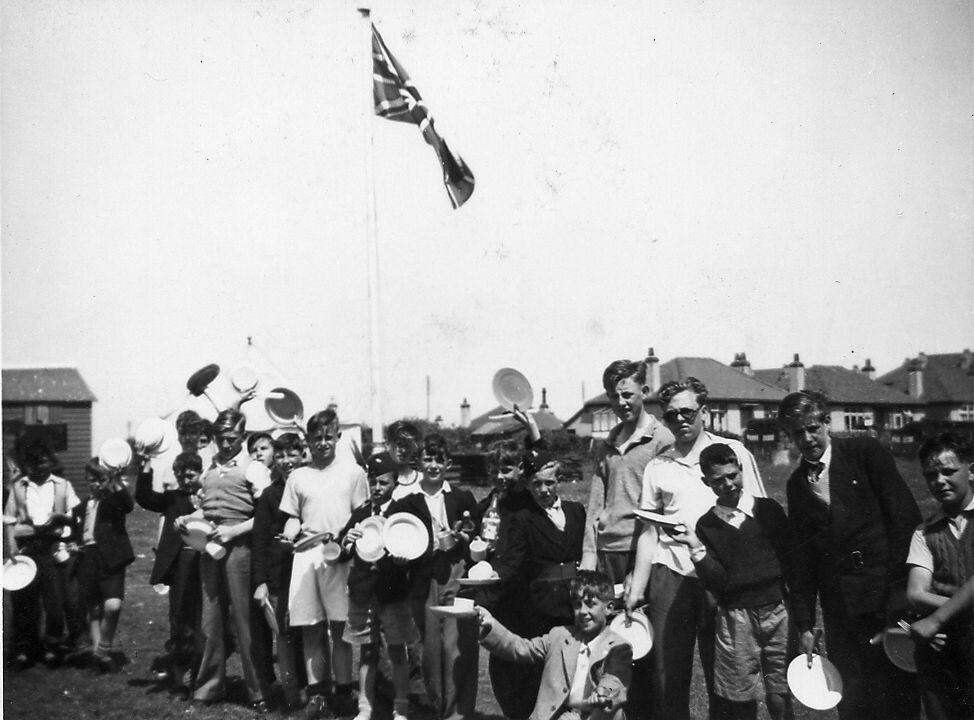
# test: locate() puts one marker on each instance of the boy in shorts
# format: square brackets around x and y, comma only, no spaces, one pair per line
[587,668]
[739,551]
[105,553]
[320,497]
[941,561]
[378,598]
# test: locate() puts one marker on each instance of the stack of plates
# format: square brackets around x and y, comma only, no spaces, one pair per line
[370,547]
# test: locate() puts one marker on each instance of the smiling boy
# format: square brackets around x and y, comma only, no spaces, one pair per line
[941,560]
[740,550]
[587,667]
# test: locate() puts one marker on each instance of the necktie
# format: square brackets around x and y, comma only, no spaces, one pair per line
[814,470]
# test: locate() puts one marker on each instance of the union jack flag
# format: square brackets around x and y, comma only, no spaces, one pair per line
[396,98]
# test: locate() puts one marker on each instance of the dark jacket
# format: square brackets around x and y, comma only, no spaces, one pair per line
[852,551]
[171,504]
[534,546]
[436,565]
[385,581]
[111,537]
[270,559]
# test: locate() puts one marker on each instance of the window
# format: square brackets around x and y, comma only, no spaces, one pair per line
[603,420]
[718,418]
[966,413]
[39,415]
[858,419]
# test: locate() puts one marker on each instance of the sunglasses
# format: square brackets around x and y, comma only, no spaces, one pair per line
[685,414]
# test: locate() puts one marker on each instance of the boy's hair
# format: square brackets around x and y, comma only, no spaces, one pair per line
[717,454]
[94,467]
[190,421]
[674,387]
[187,461]
[960,445]
[403,431]
[591,584]
[256,438]
[230,420]
[322,419]
[31,450]
[436,444]
[288,441]
[619,370]
[503,452]
[799,405]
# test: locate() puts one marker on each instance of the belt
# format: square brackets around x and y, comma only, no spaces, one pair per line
[557,571]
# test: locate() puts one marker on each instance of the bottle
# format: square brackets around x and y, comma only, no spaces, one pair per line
[490,525]
[467,524]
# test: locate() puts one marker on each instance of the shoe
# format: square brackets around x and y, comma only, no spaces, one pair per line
[344,705]
[51,659]
[398,716]
[22,661]
[318,707]
[364,715]
[105,663]
[260,706]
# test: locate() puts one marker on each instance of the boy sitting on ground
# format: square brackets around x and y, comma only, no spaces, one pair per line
[739,550]
[378,598]
[587,668]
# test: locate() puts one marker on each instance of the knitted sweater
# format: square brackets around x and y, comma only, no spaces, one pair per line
[747,566]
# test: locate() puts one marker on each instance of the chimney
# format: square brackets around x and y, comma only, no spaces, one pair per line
[916,376]
[742,364]
[653,380]
[967,361]
[465,413]
[868,370]
[796,375]
[544,399]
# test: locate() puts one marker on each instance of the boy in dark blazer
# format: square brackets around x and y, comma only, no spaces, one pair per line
[176,564]
[450,654]
[852,517]
[105,553]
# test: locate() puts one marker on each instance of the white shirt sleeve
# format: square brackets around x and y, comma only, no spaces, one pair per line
[360,490]
[72,497]
[649,498]
[290,502]
[752,476]
[919,553]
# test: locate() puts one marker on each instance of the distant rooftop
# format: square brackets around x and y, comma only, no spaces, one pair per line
[841,385]
[60,384]
[947,377]
[483,425]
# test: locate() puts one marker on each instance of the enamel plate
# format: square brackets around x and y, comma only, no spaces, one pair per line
[405,535]
[639,634]
[512,388]
[818,687]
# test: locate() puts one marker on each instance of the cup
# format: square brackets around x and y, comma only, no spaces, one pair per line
[215,550]
[445,540]
[478,550]
[330,551]
[463,603]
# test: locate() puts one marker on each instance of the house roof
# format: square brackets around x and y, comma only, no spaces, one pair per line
[62,384]
[723,382]
[840,385]
[483,425]
[945,377]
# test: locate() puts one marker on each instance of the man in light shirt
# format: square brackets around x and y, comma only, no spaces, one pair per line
[663,572]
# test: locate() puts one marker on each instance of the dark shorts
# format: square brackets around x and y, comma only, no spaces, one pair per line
[95,582]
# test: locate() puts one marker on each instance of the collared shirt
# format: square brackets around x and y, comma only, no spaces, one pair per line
[39,499]
[817,475]
[406,484]
[556,514]
[920,554]
[436,504]
[577,694]
[734,516]
[672,485]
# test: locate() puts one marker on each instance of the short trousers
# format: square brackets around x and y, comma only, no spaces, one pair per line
[751,644]
[319,591]
[395,623]
[95,583]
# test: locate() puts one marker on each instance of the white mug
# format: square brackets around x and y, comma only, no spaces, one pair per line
[478,550]
[215,550]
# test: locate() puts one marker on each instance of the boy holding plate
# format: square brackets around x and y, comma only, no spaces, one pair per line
[378,596]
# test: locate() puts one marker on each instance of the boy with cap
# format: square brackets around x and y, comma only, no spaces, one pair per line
[378,597]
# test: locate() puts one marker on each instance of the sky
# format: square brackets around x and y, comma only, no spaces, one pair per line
[703,178]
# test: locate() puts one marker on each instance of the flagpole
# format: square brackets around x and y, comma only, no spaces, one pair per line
[371,236]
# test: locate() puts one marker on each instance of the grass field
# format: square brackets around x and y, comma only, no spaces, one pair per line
[132,694]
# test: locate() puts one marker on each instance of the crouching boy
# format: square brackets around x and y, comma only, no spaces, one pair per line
[587,668]
[378,598]
[739,551]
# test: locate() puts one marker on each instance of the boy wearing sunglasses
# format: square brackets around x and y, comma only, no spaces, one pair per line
[663,573]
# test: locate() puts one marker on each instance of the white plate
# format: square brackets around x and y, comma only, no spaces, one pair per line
[309,541]
[197,533]
[899,647]
[658,518]
[639,634]
[453,611]
[244,378]
[473,582]
[818,687]
[370,547]
[512,388]
[405,535]
[155,436]
[115,454]
[18,572]
[482,570]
